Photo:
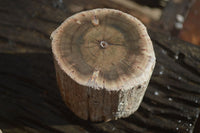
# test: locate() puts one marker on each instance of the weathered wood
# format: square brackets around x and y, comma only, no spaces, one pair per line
[29,97]
[31,102]
[104,59]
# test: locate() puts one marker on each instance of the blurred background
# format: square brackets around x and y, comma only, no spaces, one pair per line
[25,25]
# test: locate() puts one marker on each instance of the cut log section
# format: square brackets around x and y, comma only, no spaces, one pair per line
[104,59]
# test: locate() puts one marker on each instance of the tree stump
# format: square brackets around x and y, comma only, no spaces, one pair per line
[104,59]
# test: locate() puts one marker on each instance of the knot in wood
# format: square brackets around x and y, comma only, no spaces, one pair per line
[103,44]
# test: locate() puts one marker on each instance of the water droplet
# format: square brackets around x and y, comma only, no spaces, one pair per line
[190,124]
[196,101]
[187,129]
[180,18]
[113,129]
[178,25]
[179,121]
[170,99]
[161,72]
[156,93]
[179,78]
[168,87]
[176,57]
[177,128]
[189,118]
[164,51]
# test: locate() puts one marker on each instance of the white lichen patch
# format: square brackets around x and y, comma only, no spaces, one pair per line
[78,22]
[95,21]
[93,80]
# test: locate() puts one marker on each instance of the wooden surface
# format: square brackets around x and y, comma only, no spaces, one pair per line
[30,100]
[31,22]
[29,97]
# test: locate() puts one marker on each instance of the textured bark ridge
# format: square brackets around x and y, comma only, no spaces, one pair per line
[104,59]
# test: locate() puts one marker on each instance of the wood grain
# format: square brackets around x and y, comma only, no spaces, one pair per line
[29,98]
[110,58]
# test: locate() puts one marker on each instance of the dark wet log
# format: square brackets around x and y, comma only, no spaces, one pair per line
[30,100]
